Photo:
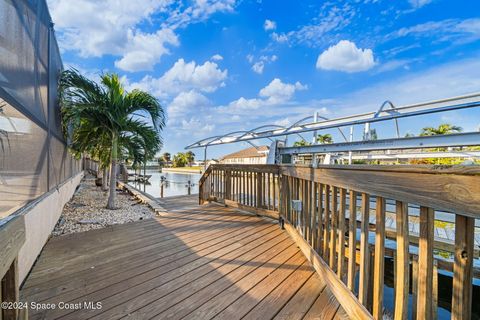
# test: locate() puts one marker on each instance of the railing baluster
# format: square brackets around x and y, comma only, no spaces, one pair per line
[352,240]
[308,198]
[333,227]
[364,251]
[304,207]
[379,259]
[267,190]
[462,270]
[425,264]
[314,216]
[319,218]
[252,186]
[249,191]
[311,218]
[403,262]
[341,235]
[326,222]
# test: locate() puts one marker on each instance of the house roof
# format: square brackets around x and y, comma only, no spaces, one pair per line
[252,152]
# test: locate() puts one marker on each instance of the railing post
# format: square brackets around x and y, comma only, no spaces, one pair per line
[425,264]
[403,262]
[364,251]
[10,291]
[462,271]
[379,259]
[12,238]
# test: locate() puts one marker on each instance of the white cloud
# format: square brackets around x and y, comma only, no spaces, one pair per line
[269,25]
[278,91]
[258,67]
[186,103]
[275,93]
[280,38]
[455,31]
[345,56]
[195,127]
[144,50]
[217,57]
[185,76]
[199,10]
[112,27]
[419,3]
[325,28]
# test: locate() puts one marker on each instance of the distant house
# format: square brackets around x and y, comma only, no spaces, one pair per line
[201,163]
[251,155]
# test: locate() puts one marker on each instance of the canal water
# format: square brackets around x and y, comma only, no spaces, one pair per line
[175,183]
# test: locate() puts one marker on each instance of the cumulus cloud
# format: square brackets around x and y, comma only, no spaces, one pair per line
[258,67]
[269,25]
[145,50]
[217,57]
[112,27]
[185,76]
[275,93]
[345,56]
[185,103]
[278,91]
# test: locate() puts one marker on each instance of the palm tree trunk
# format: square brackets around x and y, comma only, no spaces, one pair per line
[113,174]
[105,178]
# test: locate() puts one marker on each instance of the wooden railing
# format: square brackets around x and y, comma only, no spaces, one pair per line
[12,237]
[245,186]
[316,207]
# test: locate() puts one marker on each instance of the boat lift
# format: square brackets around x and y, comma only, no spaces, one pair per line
[387,112]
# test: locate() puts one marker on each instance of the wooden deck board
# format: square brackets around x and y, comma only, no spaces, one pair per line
[196,262]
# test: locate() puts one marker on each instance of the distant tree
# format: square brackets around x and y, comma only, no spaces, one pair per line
[324,138]
[301,143]
[190,157]
[445,128]
[166,158]
[161,162]
[180,160]
[409,135]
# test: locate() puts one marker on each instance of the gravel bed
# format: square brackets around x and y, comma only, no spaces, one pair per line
[87,210]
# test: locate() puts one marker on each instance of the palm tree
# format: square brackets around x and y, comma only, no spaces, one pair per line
[167,157]
[324,138]
[445,128]
[301,143]
[105,117]
[190,157]
[180,159]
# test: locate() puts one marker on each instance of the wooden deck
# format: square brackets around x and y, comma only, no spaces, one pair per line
[196,262]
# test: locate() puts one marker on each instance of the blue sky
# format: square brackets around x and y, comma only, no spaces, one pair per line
[225,65]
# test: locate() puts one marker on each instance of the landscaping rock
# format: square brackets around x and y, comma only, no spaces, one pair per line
[87,210]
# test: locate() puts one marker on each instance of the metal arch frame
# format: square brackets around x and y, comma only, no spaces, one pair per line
[436,106]
[312,117]
[392,108]
[216,140]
